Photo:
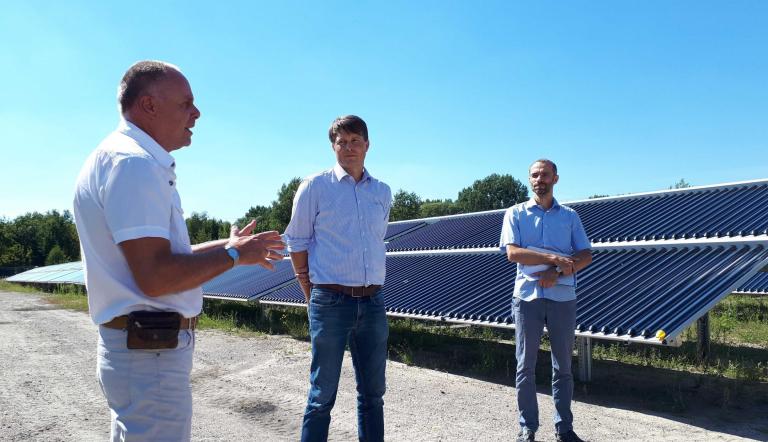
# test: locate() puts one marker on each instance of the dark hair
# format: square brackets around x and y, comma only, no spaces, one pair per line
[546,161]
[348,123]
[138,78]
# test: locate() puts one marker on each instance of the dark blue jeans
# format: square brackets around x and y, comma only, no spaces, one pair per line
[334,320]
[530,319]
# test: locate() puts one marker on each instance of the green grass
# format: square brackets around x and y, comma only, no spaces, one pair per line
[12,287]
[738,329]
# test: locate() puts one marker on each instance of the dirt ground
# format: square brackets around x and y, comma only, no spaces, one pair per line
[254,389]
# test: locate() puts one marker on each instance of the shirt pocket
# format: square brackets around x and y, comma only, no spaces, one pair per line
[374,213]
[559,235]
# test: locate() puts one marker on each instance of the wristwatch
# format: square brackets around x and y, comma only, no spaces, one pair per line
[233,253]
[558,270]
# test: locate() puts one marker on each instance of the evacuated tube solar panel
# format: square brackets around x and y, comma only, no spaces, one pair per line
[243,282]
[735,211]
[289,294]
[625,291]
[446,233]
[756,284]
[658,288]
[396,229]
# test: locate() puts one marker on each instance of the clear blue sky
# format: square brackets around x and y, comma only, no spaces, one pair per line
[625,96]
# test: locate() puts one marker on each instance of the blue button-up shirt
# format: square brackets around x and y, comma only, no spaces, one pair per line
[558,229]
[341,224]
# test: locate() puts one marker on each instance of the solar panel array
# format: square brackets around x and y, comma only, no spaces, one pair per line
[68,273]
[661,260]
[757,285]
[712,212]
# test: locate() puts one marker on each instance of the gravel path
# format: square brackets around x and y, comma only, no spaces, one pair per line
[253,389]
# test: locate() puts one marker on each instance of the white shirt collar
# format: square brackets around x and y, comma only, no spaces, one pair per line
[147,143]
[340,173]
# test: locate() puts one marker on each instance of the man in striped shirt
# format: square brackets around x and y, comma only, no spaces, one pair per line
[336,242]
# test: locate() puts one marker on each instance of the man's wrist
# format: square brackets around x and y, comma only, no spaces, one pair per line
[233,253]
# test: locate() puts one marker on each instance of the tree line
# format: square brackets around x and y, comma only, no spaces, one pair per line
[39,239]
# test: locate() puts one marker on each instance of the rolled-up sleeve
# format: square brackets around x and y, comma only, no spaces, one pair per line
[136,201]
[510,233]
[300,230]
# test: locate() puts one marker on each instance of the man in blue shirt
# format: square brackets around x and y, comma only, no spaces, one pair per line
[336,241]
[549,245]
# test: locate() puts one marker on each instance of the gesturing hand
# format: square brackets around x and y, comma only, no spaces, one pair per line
[260,248]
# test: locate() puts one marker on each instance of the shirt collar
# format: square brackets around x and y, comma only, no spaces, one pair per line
[531,203]
[147,143]
[340,173]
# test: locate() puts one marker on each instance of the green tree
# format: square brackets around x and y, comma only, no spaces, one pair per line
[29,238]
[492,192]
[405,205]
[280,214]
[202,228]
[430,208]
[261,214]
[682,184]
[56,256]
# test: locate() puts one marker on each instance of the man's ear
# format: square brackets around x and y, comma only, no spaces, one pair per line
[146,104]
[557,177]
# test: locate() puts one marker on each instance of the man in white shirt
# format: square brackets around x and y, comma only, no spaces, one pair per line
[142,274]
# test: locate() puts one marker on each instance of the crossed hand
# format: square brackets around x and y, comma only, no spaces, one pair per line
[548,278]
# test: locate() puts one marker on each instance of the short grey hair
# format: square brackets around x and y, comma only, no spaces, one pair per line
[545,161]
[139,78]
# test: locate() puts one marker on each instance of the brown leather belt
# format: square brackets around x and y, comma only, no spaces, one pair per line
[355,292]
[121,323]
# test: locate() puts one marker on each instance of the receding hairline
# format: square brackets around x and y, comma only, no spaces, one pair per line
[543,161]
[142,77]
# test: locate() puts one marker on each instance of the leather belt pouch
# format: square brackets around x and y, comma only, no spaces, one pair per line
[153,330]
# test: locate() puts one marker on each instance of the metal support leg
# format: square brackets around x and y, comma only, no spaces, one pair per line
[702,341]
[584,351]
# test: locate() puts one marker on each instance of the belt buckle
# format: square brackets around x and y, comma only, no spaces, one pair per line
[361,292]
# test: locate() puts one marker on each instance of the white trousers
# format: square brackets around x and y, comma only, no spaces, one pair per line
[148,391]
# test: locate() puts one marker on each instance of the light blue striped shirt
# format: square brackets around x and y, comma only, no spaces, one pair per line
[341,224]
[558,229]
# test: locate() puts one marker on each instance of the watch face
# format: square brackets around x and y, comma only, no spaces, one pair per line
[233,253]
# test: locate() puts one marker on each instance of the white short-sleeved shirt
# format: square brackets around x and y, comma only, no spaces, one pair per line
[127,190]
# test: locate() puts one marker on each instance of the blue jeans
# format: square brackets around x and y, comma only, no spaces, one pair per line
[560,319]
[334,320]
[148,391]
